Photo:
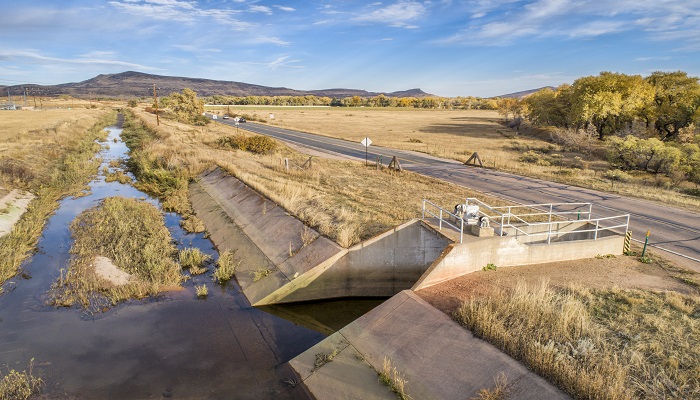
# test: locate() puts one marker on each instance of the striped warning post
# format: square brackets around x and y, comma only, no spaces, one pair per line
[628,241]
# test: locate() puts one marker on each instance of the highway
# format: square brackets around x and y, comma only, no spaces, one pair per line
[674,231]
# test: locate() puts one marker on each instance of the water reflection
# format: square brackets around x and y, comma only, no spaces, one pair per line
[172,346]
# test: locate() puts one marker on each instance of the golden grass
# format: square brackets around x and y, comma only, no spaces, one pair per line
[53,164]
[391,376]
[456,134]
[133,235]
[602,343]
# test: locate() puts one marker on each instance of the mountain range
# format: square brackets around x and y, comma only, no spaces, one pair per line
[137,84]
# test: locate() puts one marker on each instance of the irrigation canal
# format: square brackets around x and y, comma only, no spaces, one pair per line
[170,346]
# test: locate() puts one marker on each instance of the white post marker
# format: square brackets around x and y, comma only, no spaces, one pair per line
[366,142]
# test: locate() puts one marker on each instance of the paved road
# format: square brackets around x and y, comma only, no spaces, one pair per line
[675,231]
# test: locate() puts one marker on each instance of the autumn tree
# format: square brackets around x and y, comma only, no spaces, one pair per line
[676,102]
[187,107]
[609,100]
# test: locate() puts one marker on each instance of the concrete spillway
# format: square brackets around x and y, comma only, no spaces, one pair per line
[283,261]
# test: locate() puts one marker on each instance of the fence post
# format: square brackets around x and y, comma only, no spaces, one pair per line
[501,224]
[461,230]
[286,165]
[441,219]
[590,210]
[423,210]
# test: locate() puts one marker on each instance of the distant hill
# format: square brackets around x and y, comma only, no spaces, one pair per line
[136,84]
[524,93]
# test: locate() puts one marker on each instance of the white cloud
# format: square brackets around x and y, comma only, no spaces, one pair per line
[397,14]
[272,40]
[499,22]
[260,9]
[285,8]
[34,57]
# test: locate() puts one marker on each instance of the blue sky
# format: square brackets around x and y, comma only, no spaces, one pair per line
[448,48]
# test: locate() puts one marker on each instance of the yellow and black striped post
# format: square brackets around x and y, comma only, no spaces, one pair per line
[628,241]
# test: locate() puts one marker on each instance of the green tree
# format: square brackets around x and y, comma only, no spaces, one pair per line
[676,101]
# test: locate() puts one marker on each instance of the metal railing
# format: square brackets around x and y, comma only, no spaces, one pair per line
[551,217]
[440,215]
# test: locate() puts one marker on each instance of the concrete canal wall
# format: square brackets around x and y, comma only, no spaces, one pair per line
[300,264]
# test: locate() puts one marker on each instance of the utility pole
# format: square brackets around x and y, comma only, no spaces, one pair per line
[155,101]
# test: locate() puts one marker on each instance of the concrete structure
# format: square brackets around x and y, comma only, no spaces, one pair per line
[505,251]
[437,357]
[294,263]
[284,261]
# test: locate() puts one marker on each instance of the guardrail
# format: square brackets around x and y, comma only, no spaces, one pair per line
[555,214]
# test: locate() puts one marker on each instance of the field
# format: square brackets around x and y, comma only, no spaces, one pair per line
[51,154]
[457,134]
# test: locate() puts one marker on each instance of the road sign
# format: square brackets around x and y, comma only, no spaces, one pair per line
[366,142]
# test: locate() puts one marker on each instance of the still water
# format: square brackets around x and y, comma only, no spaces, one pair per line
[172,346]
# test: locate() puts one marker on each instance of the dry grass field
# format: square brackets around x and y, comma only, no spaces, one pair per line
[456,134]
[34,141]
[52,154]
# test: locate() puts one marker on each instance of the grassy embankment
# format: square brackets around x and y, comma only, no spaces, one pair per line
[132,234]
[51,154]
[456,134]
[343,200]
[596,343]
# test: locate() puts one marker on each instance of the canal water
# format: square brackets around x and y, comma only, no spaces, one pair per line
[170,346]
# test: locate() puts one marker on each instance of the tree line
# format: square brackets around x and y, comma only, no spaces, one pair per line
[429,102]
[648,123]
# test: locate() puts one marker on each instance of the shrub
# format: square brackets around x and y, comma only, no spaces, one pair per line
[260,273]
[617,175]
[255,144]
[260,144]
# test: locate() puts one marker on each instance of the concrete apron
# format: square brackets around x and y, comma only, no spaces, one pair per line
[284,261]
[437,357]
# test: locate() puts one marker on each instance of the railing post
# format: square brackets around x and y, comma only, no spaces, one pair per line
[590,210]
[549,233]
[441,219]
[423,211]
[595,237]
[508,215]
[550,216]
[501,224]
[461,230]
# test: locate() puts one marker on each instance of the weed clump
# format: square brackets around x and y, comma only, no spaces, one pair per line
[391,377]
[193,259]
[260,273]
[202,291]
[226,266]
[20,385]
